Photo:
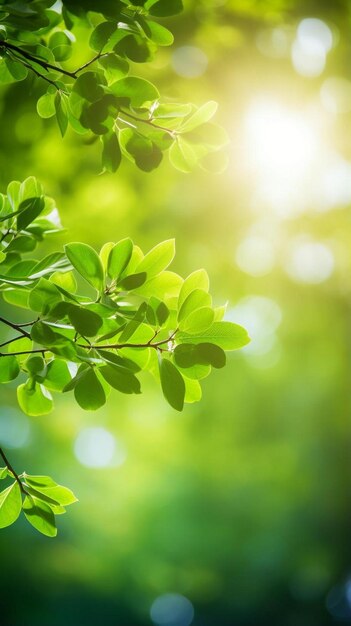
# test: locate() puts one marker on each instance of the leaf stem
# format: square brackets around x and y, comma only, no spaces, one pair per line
[149,122]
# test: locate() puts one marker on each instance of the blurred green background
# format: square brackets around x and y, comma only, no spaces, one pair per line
[237,511]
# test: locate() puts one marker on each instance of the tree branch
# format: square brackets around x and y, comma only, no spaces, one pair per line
[9,466]
[31,57]
[15,327]
[18,52]
[115,346]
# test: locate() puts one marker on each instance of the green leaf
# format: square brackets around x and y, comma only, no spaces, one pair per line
[172,384]
[57,375]
[159,34]
[164,8]
[10,504]
[211,354]
[202,115]
[115,67]
[86,323]
[101,34]
[43,334]
[120,379]
[187,355]
[60,45]
[162,313]
[197,280]
[158,258]
[61,112]
[87,263]
[4,472]
[29,210]
[227,335]
[46,105]
[134,91]
[119,361]
[34,399]
[140,149]
[89,392]
[44,296]
[30,188]
[41,496]
[9,369]
[195,300]
[58,493]
[182,155]
[164,285]
[88,86]
[35,364]
[111,152]
[16,70]
[193,392]
[198,321]
[40,516]
[133,281]
[119,258]
[21,244]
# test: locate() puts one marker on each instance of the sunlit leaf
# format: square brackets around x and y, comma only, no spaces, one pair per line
[10,504]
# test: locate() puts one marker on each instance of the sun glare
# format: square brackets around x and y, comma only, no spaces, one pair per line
[281,141]
[283,151]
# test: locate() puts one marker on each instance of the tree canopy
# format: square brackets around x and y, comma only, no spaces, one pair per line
[137,315]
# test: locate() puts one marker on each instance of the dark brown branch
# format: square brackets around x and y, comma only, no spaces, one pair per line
[9,466]
[31,57]
[15,327]
[18,52]
[37,351]
[119,346]
[6,343]
[116,346]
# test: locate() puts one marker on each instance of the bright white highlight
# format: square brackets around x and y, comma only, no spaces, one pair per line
[189,62]
[310,262]
[97,447]
[261,316]
[309,51]
[282,143]
[172,609]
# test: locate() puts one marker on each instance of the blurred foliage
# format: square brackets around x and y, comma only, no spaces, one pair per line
[242,503]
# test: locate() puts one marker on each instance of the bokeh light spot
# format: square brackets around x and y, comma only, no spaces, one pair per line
[309,261]
[97,447]
[255,256]
[15,428]
[261,316]
[309,51]
[189,62]
[172,609]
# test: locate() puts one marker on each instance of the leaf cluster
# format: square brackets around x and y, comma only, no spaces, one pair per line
[99,319]
[105,98]
[39,497]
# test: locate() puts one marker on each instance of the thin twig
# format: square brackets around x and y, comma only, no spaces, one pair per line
[6,343]
[37,351]
[15,327]
[9,466]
